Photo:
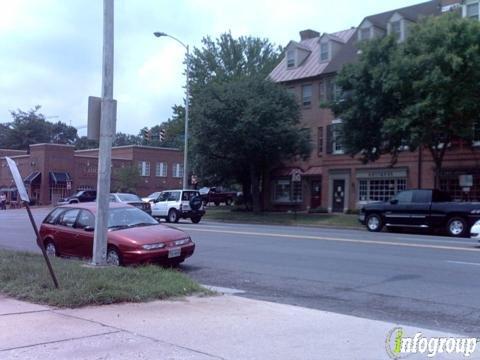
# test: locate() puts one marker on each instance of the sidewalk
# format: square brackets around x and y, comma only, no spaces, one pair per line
[219,327]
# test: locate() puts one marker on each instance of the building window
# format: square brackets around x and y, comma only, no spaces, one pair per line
[144,168]
[476,133]
[324,51]
[290,58]
[365,33]
[472,11]
[334,138]
[320,141]
[307,95]
[286,191]
[177,171]
[396,29]
[161,169]
[451,185]
[380,189]
[328,90]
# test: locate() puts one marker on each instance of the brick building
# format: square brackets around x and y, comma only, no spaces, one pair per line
[329,178]
[52,171]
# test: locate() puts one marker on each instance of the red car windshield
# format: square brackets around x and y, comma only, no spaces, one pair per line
[121,218]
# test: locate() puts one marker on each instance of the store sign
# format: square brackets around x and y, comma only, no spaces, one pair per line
[465,180]
[381,173]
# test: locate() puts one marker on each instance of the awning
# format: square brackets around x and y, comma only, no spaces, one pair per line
[59,178]
[314,171]
[33,177]
[287,171]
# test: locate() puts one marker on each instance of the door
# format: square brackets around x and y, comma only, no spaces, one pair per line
[338,203]
[159,207]
[397,211]
[67,235]
[85,237]
[316,194]
[420,208]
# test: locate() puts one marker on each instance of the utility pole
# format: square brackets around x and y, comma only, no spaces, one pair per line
[107,126]
[187,102]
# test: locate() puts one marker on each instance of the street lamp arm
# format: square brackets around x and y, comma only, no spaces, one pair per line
[160,34]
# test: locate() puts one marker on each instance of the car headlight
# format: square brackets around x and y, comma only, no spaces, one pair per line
[182,242]
[153,246]
[476,211]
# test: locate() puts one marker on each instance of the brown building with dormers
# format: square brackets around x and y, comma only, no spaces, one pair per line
[330,179]
[53,171]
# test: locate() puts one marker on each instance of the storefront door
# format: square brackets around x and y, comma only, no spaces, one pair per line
[338,203]
[316,194]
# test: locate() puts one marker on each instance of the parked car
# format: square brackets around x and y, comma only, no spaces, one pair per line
[79,197]
[131,199]
[428,209]
[152,197]
[217,196]
[173,205]
[475,231]
[133,236]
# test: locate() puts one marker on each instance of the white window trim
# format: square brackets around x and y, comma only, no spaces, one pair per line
[144,167]
[311,95]
[402,29]
[329,51]
[177,171]
[334,150]
[161,169]
[370,35]
[291,51]
[291,192]
[470,2]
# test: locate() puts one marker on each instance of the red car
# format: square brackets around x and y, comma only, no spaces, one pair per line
[133,235]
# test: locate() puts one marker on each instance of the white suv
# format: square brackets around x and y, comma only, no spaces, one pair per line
[173,205]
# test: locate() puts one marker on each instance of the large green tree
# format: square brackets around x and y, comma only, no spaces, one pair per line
[31,127]
[243,129]
[421,93]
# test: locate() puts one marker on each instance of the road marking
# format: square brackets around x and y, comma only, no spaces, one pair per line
[463,263]
[324,238]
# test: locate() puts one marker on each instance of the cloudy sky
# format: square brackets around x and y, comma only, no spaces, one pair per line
[51,50]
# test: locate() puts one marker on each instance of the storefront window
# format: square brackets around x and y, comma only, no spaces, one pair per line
[380,189]
[451,185]
[284,190]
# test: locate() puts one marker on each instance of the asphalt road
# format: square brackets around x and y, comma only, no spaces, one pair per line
[422,280]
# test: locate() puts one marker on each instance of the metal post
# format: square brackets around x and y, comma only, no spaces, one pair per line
[40,244]
[107,124]
[187,102]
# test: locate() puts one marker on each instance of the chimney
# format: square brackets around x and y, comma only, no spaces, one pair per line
[308,34]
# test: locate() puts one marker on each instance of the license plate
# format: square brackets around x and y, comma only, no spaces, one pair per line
[174,252]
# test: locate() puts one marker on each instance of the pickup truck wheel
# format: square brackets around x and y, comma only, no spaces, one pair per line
[217,203]
[374,223]
[172,216]
[456,227]
[228,202]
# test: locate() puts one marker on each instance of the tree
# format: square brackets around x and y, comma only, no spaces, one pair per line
[31,127]
[122,139]
[126,179]
[426,91]
[221,143]
[243,129]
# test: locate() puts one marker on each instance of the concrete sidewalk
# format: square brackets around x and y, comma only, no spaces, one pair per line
[220,327]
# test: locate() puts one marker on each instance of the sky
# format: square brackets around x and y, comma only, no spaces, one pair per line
[51,50]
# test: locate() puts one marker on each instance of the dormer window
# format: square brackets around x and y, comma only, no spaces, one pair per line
[290,59]
[324,51]
[396,29]
[365,34]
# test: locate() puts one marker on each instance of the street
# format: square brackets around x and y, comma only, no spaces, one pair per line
[419,280]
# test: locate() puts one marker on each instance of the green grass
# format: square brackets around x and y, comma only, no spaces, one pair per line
[25,276]
[227,215]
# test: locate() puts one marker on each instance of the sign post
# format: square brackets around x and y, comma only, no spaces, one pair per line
[22,192]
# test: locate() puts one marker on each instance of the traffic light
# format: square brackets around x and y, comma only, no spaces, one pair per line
[161,135]
[147,135]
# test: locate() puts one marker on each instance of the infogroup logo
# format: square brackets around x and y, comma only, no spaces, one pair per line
[400,346]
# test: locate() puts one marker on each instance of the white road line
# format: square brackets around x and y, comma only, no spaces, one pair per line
[324,238]
[463,263]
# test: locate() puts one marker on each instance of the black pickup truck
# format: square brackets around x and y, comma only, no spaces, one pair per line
[428,209]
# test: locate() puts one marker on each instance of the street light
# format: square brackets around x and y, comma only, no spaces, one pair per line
[187,90]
